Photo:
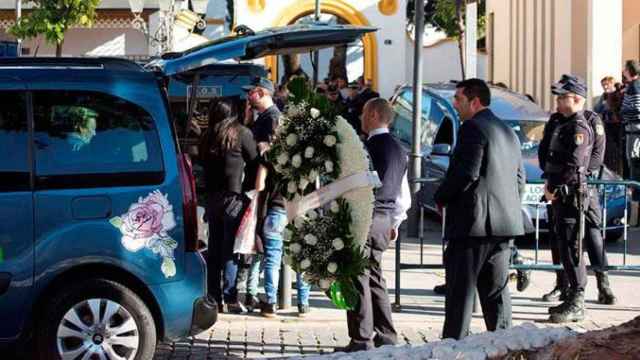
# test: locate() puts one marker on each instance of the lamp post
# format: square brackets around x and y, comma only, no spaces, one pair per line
[162,37]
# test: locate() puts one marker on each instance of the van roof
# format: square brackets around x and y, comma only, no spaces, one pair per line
[105,63]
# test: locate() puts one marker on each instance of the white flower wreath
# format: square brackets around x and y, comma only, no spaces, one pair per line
[326,244]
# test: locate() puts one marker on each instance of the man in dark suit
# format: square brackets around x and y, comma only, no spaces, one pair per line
[370,324]
[481,192]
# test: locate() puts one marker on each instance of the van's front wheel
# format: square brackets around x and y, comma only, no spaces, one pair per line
[98,319]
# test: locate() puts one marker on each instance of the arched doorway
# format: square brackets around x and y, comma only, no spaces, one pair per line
[341,10]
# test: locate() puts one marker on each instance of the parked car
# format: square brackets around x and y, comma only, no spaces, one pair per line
[99,252]
[440,124]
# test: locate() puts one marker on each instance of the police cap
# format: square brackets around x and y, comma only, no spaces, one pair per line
[570,84]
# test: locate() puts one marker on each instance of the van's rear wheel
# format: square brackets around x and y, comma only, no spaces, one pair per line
[96,319]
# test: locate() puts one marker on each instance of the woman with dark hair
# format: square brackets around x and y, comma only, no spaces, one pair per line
[228,152]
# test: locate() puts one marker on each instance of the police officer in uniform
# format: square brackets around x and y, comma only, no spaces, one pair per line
[566,167]
[593,236]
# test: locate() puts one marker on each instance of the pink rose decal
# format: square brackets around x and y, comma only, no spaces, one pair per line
[147,224]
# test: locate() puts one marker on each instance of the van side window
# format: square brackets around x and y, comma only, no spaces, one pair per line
[14,135]
[97,135]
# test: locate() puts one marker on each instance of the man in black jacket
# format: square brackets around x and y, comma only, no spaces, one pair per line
[482,194]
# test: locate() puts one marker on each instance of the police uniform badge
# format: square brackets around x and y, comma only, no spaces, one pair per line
[599,130]
[579,139]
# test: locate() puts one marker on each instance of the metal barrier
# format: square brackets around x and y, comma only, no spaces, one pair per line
[605,187]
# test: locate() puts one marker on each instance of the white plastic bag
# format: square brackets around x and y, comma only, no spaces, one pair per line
[245,242]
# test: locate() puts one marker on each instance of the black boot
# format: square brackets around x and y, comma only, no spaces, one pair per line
[565,302]
[573,310]
[605,295]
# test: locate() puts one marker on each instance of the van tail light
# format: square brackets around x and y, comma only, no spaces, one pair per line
[189,203]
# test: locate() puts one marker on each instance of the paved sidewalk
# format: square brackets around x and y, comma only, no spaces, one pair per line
[421,316]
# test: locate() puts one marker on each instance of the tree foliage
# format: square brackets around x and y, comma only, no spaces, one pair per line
[441,14]
[52,18]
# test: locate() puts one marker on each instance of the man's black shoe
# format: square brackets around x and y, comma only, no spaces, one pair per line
[379,341]
[268,310]
[524,279]
[235,308]
[251,302]
[605,295]
[303,310]
[440,289]
[353,347]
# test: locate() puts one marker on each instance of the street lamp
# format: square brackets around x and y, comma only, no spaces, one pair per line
[169,11]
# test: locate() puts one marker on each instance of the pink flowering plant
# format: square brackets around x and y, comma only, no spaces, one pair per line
[147,225]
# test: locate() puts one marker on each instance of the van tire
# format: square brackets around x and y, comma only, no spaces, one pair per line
[65,299]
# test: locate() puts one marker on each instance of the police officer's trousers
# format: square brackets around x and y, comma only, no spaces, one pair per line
[594,244]
[566,228]
[482,263]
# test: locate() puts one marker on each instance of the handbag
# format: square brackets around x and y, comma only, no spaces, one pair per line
[245,239]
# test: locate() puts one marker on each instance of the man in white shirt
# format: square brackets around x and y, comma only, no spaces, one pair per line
[370,324]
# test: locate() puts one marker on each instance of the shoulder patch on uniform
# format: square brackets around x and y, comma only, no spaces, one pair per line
[599,130]
[579,139]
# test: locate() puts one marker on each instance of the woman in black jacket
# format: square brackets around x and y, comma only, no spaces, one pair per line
[228,152]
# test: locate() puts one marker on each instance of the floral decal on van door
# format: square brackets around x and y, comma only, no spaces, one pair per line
[147,224]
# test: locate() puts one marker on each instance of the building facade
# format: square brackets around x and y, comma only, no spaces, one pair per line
[531,43]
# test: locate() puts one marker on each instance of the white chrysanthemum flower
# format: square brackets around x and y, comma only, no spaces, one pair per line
[312,215]
[286,234]
[313,175]
[334,207]
[303,184]
[296,161]
[310,239]
[291,187]
[278,168]
[299,222]
[337,244]
[314,113]
[308,152]
[292,139]
[283,159]
[325,284]
[332,267]
[295,248]
[304,264]
[330,140]
[328,165]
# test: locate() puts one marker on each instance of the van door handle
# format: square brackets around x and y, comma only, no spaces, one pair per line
[91,207]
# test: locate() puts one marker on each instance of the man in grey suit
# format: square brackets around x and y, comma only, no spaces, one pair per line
[481,191]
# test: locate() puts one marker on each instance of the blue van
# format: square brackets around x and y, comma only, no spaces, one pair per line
[99,252]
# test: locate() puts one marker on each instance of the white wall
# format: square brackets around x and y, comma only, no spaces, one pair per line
[95,42]
[441,62]
[390,56]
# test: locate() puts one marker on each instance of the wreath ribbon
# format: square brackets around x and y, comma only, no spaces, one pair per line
[331,192]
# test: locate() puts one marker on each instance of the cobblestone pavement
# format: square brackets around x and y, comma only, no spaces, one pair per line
[419,320]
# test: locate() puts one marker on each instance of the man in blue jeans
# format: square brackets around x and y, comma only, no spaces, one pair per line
[260,99]
[273,241]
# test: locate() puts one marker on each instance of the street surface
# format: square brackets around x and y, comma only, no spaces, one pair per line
[421,316]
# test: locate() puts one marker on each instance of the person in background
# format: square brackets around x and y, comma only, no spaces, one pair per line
[227,151]
[608,107]
[630,112]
